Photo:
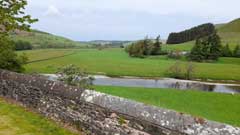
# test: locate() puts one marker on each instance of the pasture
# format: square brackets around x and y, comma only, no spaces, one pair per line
[213,106]
[116,62]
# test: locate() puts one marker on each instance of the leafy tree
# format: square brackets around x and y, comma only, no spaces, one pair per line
[236,52]
[12,17]
[226,51]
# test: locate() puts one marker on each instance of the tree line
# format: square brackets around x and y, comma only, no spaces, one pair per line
[191,34]
[145,47]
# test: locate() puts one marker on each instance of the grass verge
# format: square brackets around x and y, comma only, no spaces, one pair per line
[15,120]
[213,106]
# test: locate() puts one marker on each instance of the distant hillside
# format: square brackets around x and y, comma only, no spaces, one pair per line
[233,26]
[230,32]
[40,39]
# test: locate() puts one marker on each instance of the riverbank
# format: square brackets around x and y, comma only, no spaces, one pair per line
[161,83]
[213,106]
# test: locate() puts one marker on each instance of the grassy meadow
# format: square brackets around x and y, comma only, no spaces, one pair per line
[213,106]
[116,62]
[15,120]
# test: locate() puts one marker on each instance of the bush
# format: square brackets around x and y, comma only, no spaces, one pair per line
[73,75]
[22,45]
[175,54]
[181,71]
[8,58]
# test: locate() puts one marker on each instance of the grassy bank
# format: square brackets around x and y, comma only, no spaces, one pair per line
[115,62]
[15,120]
[214,106]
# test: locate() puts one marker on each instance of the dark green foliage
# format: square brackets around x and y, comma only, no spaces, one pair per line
[8,58]
[22,45]
[191,34]
[207,48]
[144,48]
[226,51]
[156,49]
[236,52]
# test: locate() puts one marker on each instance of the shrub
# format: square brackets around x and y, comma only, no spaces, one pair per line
[175,54]
[181,71]
[8,58]
[73,75]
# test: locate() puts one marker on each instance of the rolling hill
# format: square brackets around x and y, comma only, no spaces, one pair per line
[230,32]
[40,39]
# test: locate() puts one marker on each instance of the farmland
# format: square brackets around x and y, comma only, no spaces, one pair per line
[116,62]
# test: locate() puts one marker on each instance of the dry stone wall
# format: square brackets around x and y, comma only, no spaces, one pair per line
[101,114]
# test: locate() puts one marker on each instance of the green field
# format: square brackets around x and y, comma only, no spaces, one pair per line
[15,120]
[115,62]
[213,106]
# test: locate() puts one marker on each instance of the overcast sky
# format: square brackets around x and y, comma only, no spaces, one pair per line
[127,19]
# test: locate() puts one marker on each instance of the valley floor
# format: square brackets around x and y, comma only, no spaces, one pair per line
[116,62]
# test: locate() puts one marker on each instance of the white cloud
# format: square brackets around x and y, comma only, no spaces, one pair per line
[52,11]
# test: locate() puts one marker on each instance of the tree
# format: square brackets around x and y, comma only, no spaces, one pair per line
[12,17]
[207,48]
[214,42]
[196,52]
[236,52]
[226,51]
[156,50]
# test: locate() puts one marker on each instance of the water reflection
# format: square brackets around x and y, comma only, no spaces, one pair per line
[163,83]
[168,83]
